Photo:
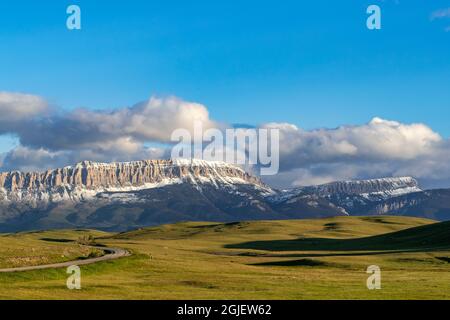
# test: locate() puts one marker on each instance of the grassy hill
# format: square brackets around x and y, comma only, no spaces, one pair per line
[43,247]
[434,236]
[297,259]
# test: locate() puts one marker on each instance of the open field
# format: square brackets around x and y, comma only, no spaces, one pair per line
[297,259]
[37,248]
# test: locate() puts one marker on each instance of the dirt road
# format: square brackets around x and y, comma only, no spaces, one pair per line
[110,254]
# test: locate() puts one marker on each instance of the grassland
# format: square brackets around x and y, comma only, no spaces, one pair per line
[37,248]
[298,259]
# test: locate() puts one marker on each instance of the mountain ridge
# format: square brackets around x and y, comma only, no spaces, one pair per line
[88,178]
[124,195]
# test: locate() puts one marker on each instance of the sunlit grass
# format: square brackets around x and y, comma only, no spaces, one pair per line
[208,261]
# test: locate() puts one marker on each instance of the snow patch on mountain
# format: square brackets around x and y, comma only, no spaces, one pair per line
[86,180]
[383,188]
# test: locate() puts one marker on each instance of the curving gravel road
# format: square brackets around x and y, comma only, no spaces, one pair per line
[110,254]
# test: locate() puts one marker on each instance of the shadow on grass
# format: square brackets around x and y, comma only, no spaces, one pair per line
[56,240]
[292,263]
[321,255]
[445,259]
[429,237]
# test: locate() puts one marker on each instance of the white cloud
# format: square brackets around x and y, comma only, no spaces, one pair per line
[152,120]
[441,13]
[377,140]
[378,148]
[18,106]
[29,159]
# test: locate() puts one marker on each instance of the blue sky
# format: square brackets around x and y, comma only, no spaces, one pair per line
[311,63]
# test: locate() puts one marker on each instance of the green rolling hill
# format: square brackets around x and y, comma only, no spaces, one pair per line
[289,259]
[434,236]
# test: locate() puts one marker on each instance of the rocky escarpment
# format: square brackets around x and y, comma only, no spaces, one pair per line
[384,186]
[122,196]
[87,178]
[356,197]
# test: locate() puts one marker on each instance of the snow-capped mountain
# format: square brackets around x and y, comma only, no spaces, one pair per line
[87,179]
[130,194]
[356,195]
[124,195]
[373,188]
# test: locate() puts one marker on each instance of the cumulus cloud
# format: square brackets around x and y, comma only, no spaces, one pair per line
[32,159]
[152,120]
[29,159]
[375,141]
[48,139]
[376,149]
[15,107]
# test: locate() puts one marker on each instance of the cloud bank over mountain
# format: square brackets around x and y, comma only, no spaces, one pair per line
[50,138]
[378,148]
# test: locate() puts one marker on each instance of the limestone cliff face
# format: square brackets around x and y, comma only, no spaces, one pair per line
[85,178]
[384,186]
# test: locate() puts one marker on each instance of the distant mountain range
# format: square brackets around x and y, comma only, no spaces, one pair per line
[122,196]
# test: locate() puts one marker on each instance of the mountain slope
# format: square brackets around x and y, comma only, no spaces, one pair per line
[86,179]
[354,197]
[122,196]
[435,236]
[432,204]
